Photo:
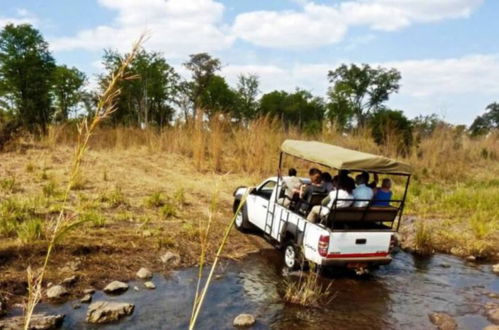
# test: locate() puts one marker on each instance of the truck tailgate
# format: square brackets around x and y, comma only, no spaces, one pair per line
[358,244]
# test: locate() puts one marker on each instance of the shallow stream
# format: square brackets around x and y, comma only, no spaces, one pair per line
[397,296]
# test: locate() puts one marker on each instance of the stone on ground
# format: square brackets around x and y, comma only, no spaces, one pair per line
[69,280]
[443,321]
[86,298]
[170,259]
[144,273]
[89,291]
[492,310]
[56,291]
[108,311]
[149,285]
[116,287]
[495,269]
[38,322]
[491,327]
[244,320]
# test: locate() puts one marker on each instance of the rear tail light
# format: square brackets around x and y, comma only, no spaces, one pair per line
[393,242]
[323,245]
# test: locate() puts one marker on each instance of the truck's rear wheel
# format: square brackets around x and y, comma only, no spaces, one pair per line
[293,258]
[241,222]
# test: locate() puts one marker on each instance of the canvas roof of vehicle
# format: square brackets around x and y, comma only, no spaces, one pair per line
[343,159]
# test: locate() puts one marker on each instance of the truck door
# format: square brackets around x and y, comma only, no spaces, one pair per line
[258,203]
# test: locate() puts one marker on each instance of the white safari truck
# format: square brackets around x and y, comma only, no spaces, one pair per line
[353,237]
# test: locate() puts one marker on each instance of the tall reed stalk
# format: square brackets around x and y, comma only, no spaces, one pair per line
[199,297]
[64,221]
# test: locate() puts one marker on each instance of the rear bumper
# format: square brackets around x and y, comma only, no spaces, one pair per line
[371,261]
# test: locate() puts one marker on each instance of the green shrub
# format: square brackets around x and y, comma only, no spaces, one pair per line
[114,197]
[156,199]
[9,184]
[96,219]
[168,210]
[30,231]
[50,189]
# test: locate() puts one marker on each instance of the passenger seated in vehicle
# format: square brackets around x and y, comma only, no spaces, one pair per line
[343,175]
[315,185]
[383,195]
[291,185]
[327,181]
[375,181]
[345,199]
[362,194]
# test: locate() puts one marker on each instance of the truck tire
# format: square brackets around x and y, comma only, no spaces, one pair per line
[293,257]
[241,222]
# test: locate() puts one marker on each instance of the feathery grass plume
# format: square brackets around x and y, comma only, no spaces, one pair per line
[307,291]
[64,222]
[200,295]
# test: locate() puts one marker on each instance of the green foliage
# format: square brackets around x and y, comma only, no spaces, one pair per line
[168,210]
[26,68]
[298,109]
[247,92]
[423,239]
[9,184]
[93,217]
[203,68]
[357,91]
[218,97]
[114,197]
[179,196]
[67,90]
[30,231]
[156,199]
[50,189]
[151,93]
[388,126]
[486,122]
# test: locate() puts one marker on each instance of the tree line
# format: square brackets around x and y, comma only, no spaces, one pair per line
[35,91]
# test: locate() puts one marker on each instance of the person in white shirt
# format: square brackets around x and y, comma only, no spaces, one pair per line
[362,194]
[345,199]
[291,184]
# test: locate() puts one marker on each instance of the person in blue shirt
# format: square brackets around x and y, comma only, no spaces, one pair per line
[383,195]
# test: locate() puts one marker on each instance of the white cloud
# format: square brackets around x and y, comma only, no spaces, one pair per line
[316,25]
[175,27]
[23,17]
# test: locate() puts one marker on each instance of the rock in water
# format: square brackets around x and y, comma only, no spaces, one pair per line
[38,322]
[56,291]
[495,269]
[244,320]
[144,273]
[443,321]
[149,285]
[492,312]
[86,298]
[108,311]
[89,291]
[116,287]
[170,259]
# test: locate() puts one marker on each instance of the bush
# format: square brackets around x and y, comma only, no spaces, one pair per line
[156,199]
[392,127]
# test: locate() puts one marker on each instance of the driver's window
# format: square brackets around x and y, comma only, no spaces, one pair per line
[266,190]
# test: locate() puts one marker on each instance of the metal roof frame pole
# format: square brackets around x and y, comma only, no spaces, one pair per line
[278,177]
[403,201]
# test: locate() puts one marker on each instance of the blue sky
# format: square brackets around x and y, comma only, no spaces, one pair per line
[446,50]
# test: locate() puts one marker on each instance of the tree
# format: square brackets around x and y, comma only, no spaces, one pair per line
[26,71]
[67,90]
[219,97]
[203,68]
[486,122]
[152,93]
[358,91]
[247,91]
[299,109]
[391,126]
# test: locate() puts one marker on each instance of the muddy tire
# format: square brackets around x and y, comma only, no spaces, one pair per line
[241,222]
[293,257]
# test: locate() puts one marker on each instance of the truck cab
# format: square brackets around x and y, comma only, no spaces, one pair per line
[354,237]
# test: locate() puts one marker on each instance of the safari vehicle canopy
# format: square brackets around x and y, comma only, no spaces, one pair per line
[345,159]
